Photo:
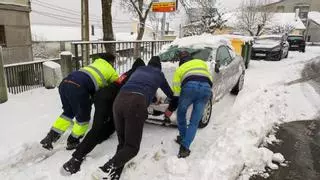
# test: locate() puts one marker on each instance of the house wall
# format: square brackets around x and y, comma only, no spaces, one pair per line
[16,22]
[313,32]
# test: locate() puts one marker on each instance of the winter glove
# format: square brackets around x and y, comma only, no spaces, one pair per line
[167,114]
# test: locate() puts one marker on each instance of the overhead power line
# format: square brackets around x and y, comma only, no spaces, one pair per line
[71,12]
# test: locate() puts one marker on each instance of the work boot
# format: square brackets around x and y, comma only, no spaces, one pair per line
[183,152]
[51,137]
[72,142]
[107,171]
[178,140]
[72,166]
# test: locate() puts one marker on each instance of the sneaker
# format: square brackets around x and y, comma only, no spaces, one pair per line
[106,172]
[178,140]
[183,152]
[72,166]
[72,142]
[51,137]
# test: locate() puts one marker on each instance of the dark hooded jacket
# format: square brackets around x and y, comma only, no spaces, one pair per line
[110,92]
[146,80]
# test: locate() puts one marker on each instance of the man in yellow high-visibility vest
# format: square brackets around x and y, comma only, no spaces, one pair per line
[76,91]
[192,83]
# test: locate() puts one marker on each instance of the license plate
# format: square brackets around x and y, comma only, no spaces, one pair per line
[260,54]
[294,46]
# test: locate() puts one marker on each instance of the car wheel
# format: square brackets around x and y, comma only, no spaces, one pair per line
[237,88]
[280,56]
[303,50]
[206,115]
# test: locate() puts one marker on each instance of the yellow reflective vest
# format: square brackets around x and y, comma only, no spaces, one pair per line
[196,67]
[101,73]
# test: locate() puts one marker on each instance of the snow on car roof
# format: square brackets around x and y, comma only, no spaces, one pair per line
[270,36]
[234,36]
[199,42]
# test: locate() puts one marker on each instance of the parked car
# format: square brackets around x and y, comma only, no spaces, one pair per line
[297,42]
[270,47]
[226,67]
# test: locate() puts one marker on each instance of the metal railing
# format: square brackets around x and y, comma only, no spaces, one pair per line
[22,77]
[126,51]
[29,75]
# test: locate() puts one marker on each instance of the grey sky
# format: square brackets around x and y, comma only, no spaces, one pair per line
[48,12]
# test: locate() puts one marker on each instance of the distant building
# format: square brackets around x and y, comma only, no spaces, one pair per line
[15,35]
[313,27]
[289,6]
[277,20]
[303,7]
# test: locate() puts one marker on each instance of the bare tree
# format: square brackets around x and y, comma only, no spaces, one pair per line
[141,9]
[107,25]
[282,29]
[206,18]
[253,17]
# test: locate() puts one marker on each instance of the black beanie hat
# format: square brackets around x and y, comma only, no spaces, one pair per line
[137,63]
[155,62]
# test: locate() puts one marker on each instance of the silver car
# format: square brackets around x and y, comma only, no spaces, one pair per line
[226,67]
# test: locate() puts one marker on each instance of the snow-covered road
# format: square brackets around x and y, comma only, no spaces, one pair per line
[221,151]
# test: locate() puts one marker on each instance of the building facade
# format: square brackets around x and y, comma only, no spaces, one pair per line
[15,33]
[303,7]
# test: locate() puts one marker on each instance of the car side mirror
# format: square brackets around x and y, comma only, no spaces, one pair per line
[217,67]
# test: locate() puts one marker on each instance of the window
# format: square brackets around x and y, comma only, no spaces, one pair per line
[280,8]
[223,56]
[2,36]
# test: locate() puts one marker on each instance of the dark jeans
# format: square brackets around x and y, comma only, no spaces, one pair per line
[103,125]
[130,113]
[76,101]
[196,94]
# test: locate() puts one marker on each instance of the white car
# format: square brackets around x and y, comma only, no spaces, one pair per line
[226,67]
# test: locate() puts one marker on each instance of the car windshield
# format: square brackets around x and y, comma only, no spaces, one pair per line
[268,40]
[295,38]
[171,53]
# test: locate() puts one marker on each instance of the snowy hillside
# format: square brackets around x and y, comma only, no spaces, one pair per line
[220,151]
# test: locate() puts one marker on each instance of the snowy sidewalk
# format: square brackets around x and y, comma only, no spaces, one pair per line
[219,152]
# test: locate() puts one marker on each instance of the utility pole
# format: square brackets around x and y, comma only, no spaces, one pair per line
[85,31]
[3,85]
[163,25]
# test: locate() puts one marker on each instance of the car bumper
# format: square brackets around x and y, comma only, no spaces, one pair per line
[268,55]
[297,47]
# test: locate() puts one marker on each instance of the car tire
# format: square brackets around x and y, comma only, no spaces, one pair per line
[206,116]
[237,88]
[303,50]
[280,56]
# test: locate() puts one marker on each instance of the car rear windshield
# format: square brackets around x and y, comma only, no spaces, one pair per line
[171,54]
[295,38]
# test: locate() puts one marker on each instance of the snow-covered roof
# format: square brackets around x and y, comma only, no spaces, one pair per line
[199,42]
[73,33]
[286,19]
[268,2]
[233,36]
[277,19]
[61,33]
[314,16]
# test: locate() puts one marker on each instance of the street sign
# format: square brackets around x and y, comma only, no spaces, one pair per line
[163,6]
